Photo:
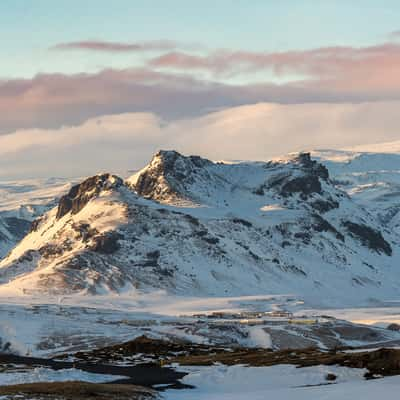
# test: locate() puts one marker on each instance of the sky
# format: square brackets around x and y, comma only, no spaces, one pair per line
[94,84]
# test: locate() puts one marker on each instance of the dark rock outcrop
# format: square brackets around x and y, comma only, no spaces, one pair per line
[171,167]
[81,194]
[35,224]
[304,159]
[322,225]
[243,222]
[106,243]
[51,250]
[305,181]
[305,185]
[394,327]
[324,206]
[369,237]
[84,231]
[330,377]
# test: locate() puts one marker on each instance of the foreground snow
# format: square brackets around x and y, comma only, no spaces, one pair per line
[282,382]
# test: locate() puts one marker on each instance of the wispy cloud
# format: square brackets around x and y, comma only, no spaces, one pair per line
[53,100]
[394,34]
[341,68]
[118,47]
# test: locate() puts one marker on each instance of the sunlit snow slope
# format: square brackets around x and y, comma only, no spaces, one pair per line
[192,226]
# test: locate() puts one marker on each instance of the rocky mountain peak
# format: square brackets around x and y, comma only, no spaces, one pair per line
[173,177]
[311,166]
[167,174]
[305,179]
[79,195]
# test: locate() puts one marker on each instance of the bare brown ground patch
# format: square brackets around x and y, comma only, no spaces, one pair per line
[382,362]
[76,391]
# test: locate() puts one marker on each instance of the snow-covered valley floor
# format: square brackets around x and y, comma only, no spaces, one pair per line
[282,382]
[48,326]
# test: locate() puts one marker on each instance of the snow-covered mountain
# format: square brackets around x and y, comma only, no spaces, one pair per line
[21,202]
[371,176]
[192,226]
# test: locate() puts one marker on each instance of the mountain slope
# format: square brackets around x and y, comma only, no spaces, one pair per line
[372,179]
[23,201]
[192,226]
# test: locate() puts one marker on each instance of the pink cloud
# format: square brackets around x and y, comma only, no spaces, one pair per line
[168,86]
[52,100]
[340,68]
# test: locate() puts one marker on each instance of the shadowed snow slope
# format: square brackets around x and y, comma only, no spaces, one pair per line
[23,201]
[192,226]
[371,179]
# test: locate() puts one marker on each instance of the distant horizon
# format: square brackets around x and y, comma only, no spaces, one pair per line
[373,148]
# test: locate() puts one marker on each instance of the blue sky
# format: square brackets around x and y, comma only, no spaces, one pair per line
[29,27]
[95,84]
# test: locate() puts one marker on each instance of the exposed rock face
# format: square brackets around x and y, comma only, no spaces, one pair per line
[35,224]
[308,164]
[330,377]
[51,250]
[167,175]
[369,237]
[322,225]
[324,206]
[106,243]
[394,327]
[305,182]
[79,195]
